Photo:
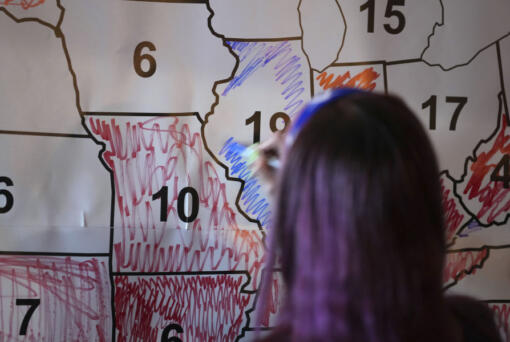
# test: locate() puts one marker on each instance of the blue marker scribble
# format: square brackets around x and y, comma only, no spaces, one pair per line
[252,201]
[255,55]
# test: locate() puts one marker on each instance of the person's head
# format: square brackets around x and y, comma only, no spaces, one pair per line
[358,225]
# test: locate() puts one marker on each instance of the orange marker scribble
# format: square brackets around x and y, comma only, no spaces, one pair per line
[363,80]
[25,4]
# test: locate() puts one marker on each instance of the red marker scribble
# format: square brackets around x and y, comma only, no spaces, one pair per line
[363,80]
[492,195]
[459,264]
[144,156]
[74,298]
[25,4]
[453,216]
[274,301]
[502,313]
[207,307]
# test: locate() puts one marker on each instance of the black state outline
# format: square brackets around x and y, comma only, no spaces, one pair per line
[383,64]
[205,273]
[466,272]
[503,102]
[502,80]
[472,158]
[225,167]
[242,39]
[258,293]
[497,301]
[461,64]
[59,34]
[473,268]
[28,19]
[143,274]
[71,254]
[256,40]
[44,134]
[206,147]
[459,199]
[173,1]
[212,112]
[302,36]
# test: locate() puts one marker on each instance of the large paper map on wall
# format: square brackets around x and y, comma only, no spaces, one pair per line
[127,212]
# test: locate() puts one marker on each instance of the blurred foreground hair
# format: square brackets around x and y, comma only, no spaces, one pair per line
[359,228]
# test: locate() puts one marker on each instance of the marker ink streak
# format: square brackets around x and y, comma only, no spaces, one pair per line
[208,308]
[74,296]
[492,196]
[286,65]
[460,264]
[251,199]
[363,80]
[453,217]
[502,314]
[146,155]
[25,4]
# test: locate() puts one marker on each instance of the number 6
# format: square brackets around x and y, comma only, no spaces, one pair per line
[9,199]
[138,58]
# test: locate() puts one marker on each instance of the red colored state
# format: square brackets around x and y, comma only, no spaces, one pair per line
[502,313]
[492,198]
[453,216]
[207,307]
[274,302]
[459,264]
[145,154]
[73,294]
[25,4]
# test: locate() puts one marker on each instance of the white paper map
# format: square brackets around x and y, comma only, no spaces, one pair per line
[127,212]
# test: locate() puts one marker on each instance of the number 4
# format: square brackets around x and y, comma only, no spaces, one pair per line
[34,303]
[505,178]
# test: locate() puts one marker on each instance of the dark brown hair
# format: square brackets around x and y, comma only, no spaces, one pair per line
[359,227]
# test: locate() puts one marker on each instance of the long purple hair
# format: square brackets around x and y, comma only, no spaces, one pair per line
[358,229]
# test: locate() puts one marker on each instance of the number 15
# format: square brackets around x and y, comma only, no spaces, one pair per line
[390,12]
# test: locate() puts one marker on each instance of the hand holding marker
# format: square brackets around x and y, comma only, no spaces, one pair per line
[265,158]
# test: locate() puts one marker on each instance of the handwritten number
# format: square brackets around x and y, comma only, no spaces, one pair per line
[163,194]
[168,329]
[33,303]
[273,123]
[370,5]
[389,13]
[255,119]
[461,102]
[138,58]
[9,199]
[432,104]
[505,178]
[194,204]
[181,200]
